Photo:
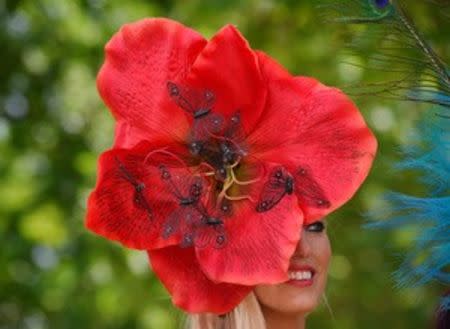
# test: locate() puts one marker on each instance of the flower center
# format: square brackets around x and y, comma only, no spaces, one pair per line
[222,157]
[214,142]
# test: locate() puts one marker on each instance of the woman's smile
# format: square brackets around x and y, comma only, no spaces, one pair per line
[301,275]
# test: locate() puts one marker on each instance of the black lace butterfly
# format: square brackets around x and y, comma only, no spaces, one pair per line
[279,184]
[308,190]
[206,229]
[139,198]
[187,191]
[191,218]
[199,104]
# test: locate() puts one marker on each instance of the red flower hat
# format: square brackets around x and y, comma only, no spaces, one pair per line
[220,157]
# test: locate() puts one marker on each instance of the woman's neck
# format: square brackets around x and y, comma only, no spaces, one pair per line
[278,320]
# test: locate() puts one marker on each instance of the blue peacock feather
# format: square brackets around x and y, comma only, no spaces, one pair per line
[428,259]
[411,70]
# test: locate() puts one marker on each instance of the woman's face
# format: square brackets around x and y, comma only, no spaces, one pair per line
[307,272]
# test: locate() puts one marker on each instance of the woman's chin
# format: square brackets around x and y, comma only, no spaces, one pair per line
[290,298]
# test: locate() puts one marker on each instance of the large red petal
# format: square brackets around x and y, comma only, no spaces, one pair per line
[129,204]
[312,126]
[286,111]
[230,69]
[127,136]
[140,59]
[191,290]
[259,245]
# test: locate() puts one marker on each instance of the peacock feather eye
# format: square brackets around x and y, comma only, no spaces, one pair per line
[382,3]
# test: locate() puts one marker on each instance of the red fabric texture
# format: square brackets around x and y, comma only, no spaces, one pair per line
[190,288]
[253,254]
[276,152]
[321,130]
[139,60]
[122,207]
[228,66]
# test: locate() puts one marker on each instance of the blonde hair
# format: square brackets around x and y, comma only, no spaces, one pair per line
[247,315]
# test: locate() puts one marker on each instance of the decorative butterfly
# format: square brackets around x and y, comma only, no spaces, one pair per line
[232,142]
[206,229]
[308,190]
[187,190]
[281,182]
[191,219]
[199,104]
[140,200]
[225,149]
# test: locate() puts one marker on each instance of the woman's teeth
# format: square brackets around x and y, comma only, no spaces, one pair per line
[300,275]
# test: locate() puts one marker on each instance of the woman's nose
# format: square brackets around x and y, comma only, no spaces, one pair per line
[303,247]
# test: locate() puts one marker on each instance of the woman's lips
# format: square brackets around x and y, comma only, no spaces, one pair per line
[301,276]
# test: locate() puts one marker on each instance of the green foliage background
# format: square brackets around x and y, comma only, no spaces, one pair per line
[53,125]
